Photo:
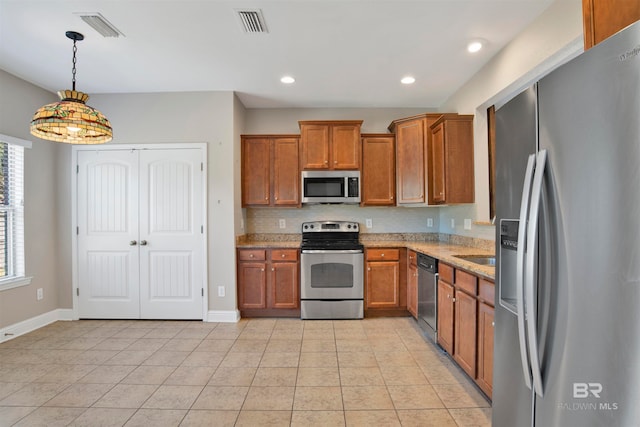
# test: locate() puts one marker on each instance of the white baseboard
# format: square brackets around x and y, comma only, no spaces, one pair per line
[223,316]
[26,326]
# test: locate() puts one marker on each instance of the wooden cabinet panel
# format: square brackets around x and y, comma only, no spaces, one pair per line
[330,144]
[378,170]
[412,284]
[383,284]
[345,146]
[252,255]
[464,347]
[604,18]
[284,285]
[445,315]
[385,254]
[410,161]
[485,348]
[270,170]
[284,254]
[286,174]
[437,165]
[467,282]
[445,271]
[256,171]
[252,284]
[487,292]
[451,178]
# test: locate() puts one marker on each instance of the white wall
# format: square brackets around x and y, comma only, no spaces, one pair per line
[43,220]
[192,117]
[552,39]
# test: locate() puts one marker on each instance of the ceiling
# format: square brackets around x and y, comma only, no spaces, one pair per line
[342,53]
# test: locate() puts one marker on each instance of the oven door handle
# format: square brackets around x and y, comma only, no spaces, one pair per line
[324,251]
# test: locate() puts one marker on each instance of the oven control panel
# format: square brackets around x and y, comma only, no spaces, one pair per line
[332,226]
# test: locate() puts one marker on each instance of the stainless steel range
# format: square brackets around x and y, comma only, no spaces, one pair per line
[332,271]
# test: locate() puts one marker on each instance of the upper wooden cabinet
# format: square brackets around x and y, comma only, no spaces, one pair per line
[378,170]
[450,155]
[412,139]
[604,18]
[330,145]
[270,170]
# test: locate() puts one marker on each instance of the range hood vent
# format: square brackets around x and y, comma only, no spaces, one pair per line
[100,24]
[252,21]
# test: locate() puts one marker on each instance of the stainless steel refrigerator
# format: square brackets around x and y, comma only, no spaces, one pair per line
[567,319]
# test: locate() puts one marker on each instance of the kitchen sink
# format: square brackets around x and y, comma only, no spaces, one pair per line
[479,259]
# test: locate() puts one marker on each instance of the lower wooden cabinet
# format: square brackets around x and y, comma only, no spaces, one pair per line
[268,282]
[385,282]
[412,283]
[465,322]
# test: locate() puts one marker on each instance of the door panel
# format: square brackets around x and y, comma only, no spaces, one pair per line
[171,217]
[107,234]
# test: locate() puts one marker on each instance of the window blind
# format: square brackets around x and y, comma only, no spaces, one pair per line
[11,211]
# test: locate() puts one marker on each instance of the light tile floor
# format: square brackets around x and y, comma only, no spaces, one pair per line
[259,372]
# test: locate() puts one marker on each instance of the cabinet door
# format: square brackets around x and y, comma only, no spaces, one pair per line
[378,171]
[256,159]
[286,172]
[383,284]
[410,140]
[485,348]
[465,332]
[445,316]
[315,146]
[252,285]
[437,157]
[284,285]
[604,18]
[345,147]
[412,290]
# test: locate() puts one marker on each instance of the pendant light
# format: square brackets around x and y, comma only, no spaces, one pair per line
[70,120]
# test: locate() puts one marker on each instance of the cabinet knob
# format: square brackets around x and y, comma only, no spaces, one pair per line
[262,269]
[273,269]
[335,162]
[326,162]
[391,198]
[282,256]
[250,255]
[382,255]
[368,268]
[493,324]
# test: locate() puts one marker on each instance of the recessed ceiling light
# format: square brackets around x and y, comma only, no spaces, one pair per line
[474,46]
[407,80]
[287,80]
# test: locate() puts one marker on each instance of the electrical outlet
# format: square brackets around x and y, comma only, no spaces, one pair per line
[467,224]
[369,223]
[429,222]
[39,294]
[220,291]
[282,223]
[242,224]
[453,223]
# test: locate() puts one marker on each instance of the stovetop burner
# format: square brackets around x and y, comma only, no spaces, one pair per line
[331,235]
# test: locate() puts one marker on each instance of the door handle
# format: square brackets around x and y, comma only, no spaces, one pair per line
[143,243]
[133,243]
[531,297]
[520,254]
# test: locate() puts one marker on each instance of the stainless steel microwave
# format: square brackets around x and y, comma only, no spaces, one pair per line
[330,186]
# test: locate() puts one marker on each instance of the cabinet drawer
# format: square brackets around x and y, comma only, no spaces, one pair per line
[467,282]
[487,291]
[383,254]
[252,255]
[446,273]
[284,255]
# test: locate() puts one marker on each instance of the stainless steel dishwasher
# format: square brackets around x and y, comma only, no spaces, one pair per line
[428,295]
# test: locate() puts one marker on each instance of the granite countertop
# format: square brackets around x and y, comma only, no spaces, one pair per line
[431,244]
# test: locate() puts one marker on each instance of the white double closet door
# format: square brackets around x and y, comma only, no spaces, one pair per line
[140,241]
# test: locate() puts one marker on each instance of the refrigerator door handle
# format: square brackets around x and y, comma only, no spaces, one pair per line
[520,255]
[531,306]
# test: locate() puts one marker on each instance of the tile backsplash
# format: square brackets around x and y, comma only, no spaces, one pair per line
[383,219]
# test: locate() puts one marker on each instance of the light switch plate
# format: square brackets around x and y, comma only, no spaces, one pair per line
[429,222]
[453,223]
[282,223]
[467,224]
[369,223]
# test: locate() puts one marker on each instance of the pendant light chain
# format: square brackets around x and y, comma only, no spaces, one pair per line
[73,70]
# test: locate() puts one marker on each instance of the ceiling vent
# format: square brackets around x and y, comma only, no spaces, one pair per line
[252,21]
[100,24]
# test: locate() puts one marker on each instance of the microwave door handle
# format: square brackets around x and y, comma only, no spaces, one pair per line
[530,294]
[520,256]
